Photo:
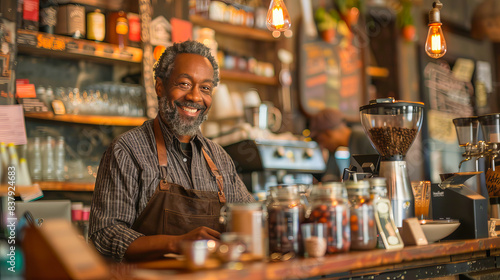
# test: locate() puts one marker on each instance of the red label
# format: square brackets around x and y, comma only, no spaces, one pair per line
[30,10]
[134,32]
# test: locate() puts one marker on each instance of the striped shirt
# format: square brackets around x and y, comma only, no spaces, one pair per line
[129,174]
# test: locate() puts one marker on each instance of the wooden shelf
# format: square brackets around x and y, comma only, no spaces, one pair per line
[50,186]
[377,72]
[20,190]
[85,119]
[247,77]
[66,186]
[33,42]
[233,30]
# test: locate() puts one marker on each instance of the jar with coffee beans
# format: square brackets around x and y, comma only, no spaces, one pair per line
[362,220]
[329,205]
[285,215]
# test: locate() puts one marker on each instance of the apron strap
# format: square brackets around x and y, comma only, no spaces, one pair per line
[218,176]
[160,147]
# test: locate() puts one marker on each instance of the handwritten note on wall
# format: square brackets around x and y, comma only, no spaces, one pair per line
[493,182]
[12,128]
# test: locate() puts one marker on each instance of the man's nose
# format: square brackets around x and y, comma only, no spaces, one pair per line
[194,94]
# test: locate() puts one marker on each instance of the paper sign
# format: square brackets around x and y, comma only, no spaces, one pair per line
[483,74]
[493,182]
[25,91]
[12,129]
[463,69]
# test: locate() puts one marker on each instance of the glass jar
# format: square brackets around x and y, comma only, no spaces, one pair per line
[329,205]
[363,227]
[378,188]
[249,222]
[286,213]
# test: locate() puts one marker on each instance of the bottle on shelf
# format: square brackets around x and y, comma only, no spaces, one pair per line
[71,20]
[48,15]
[117,29]
[207,37]
[30,15]
[96,25]
[35,161]
[48,172]
[20,4]
[13,156]
[134,30]
[4,158]
[22,175]
[59,159]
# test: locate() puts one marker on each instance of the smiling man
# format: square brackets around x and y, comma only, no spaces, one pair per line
[163,182]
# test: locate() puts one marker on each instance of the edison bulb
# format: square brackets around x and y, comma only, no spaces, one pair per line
[435,45]
[278,18]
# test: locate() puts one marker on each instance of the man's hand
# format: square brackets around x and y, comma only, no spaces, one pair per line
[196,234]
[155,246]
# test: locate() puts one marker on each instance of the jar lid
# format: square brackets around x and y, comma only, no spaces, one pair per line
[377,181]
[330,190]
[363,184]
[245,206]
[284,191]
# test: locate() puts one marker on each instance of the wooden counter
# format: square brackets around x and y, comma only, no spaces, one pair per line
[413,262]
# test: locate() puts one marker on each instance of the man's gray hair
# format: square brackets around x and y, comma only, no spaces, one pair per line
[163,67]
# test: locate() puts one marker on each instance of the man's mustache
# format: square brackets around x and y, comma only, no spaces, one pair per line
[190,104]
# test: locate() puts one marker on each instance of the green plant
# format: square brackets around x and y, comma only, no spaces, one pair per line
[325,20]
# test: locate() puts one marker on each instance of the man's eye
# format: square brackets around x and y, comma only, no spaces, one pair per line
[184,85]
[206,89]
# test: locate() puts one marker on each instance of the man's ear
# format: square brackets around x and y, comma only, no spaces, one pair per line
[159,87]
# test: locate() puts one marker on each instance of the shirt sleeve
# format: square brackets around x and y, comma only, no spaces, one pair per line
[240,190]
[114,201]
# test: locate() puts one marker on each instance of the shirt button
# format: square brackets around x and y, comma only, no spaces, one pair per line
[185,159]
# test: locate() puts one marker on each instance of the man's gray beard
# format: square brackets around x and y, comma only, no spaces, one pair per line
[179,125]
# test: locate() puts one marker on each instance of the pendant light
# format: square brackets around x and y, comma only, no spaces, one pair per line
[435,44]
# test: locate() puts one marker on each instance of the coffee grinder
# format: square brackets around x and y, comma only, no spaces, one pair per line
[392,126]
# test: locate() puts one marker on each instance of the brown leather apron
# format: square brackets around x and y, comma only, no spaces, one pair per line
[174,210]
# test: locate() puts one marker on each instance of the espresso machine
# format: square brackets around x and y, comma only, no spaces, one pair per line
[392,126]
[468,137]
[262,163]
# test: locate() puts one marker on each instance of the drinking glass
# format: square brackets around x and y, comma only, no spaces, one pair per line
[422,195]
[314,237]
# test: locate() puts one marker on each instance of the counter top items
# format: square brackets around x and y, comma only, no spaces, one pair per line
[435,230]
[473,210]
[449,258]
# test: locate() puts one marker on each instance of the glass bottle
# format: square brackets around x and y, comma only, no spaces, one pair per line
[31,15]
[59,159]
[363,227]
[206,36]
[49,97]
[286,214]
[48,172]
[329,205]
[48,15]
[249,222]
[35,161]
[96,26]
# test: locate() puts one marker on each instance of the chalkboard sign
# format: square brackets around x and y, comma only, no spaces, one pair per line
[329,77]
[446,93]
